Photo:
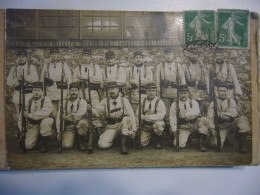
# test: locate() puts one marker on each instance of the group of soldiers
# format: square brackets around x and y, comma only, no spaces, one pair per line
[136,103]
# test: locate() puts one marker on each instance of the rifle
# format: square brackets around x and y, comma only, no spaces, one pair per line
[24,125]
[160,84]
[177,109]
[61,111]
[90,132]
[44,84]
[139,113]
[215,107]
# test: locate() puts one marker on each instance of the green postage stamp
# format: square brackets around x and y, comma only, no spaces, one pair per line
[199,27]
[233,28]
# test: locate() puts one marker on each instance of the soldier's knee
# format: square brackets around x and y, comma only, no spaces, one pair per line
[104,145]
[47,122]
[204,122]
[243,124]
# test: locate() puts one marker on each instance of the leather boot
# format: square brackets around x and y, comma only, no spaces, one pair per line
[82,143]
[202,142]
[124,150]
[159,142]
[44,147]
[242,143]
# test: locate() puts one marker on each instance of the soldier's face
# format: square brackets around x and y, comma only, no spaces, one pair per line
[222,92]
[151,93]
[169,57]
[184,95]
[86,57]
[219,59]
[113,91]
[21,59]
[74,93]
[111,61]
[54,57]
[37,93]
[138,59]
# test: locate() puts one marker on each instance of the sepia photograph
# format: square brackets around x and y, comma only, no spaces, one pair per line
[123,89]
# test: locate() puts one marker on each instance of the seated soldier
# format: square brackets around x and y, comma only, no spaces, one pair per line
[189,120]
[152,114]
[74,111]
[227,120]
[120,118]
[38,110]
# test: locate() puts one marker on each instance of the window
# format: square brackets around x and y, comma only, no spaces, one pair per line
[100,25]
[58,24]
[20,24]
[144,25]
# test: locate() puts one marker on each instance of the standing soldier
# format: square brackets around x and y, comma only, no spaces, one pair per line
[225,73]
[227,120]
[152,115]
[14,79]
[113,72]
[166,78]
[51,76]
[189,120]
[74,110]
[197,79]
[80,74]
[133,79]
[120,118]
[38,110]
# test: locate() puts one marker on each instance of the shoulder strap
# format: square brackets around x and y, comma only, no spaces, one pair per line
[144,71]
[190,103]
[123,105]
[42,102]
[106,71]
[163,69]
[66,106]
[79,69]
[48,70]
[78,102]
[132,72]
[144,101]
[30,104]
[156,105]
[108,107]
[28,69]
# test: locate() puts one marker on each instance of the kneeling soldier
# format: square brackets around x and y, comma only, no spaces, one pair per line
[74,111]
[152,114]
[38,110]
[120,118]
[228,120]
[189,120]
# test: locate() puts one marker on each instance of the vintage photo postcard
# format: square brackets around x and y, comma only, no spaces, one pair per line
[123,89]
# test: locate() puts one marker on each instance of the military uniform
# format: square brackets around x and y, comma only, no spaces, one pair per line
[146,77]
[80,74]
[168,73]
[120,119]
[39,121]
[113,73]
[228,121]
[76,110]
[225,73]
[15,76]
[153,112]
[51,76]
[189,121]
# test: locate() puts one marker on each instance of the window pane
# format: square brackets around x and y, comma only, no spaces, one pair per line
[114,31]
[96,31]
[96,21]
[105,21]
[114,21]
[88,32]
[88,21]
[106,31]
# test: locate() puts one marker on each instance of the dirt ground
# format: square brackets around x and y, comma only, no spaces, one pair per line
[146,157]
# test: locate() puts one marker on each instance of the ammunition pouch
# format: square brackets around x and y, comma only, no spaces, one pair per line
[92,86]
[34,122]
[48,82]
[134,86]
[165,83]
[183,121]
[191,83]
[216,82]
[112,121]
[59,86]
[201,85]
[230,85]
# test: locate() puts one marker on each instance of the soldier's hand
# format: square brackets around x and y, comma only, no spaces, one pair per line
[59,136]
[142,117]
[132,135]
[89,107]
[26,114]
[64,117]
[182,115]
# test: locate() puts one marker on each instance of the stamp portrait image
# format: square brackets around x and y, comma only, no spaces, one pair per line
[119,89]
